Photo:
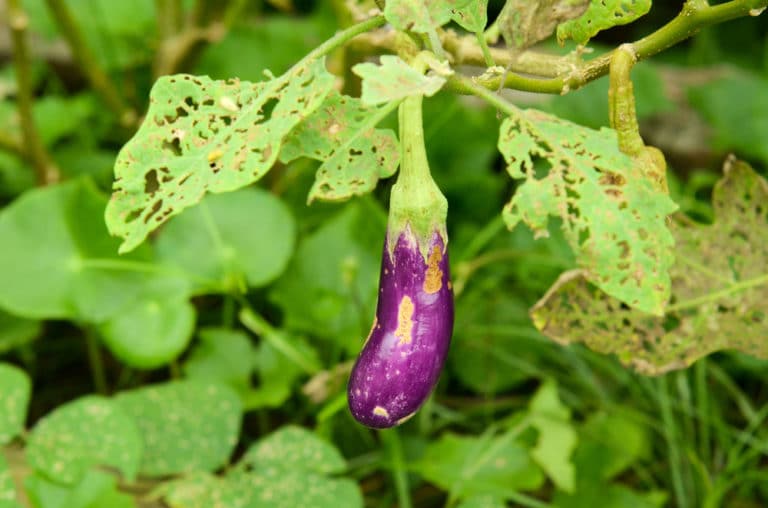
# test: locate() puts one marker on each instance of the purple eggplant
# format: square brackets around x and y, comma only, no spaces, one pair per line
[406,348]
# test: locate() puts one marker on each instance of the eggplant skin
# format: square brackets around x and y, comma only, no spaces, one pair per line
[405,351]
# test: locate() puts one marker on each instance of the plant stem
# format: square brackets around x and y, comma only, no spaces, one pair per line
[45,170]
[693,17]
[88,64]
[391,439]
[344,35]
[485,49]
[95,361]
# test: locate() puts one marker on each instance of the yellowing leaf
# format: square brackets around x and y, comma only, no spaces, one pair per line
[393,80]
[613,217]
[719,290]
[524,23]
[202,135]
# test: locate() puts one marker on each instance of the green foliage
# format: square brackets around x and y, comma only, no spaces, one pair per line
[355,155]
[294,448]
[16,389]
[202,135]
[67,266]
[482,502]
[557,437]
[474,465]
[524,23]
[473,16]
[393,80]
[224,356]
[90,431]
[613,218]
[231,230]
[421,16]
[600,15]
[185,426]
[96,490]
[7,488]
[719,284]
[737,108]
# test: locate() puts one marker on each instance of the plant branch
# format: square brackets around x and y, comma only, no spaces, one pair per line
[88,64]
[32,146]
[693,17]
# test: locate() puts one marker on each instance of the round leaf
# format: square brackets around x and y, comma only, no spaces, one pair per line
[89,431]
[15,388]
[295,448]
[151,333]
[248,233]
[187,426]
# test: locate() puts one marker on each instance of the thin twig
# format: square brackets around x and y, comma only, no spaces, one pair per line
[32,147]
[88,64]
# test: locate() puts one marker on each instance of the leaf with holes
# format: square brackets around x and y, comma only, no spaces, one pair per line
[7,486]
[524,23]
[719,290]
[355,155]
[65,266]
[473,16]
[89,431]
[421,16]
[202,135]
[15,388]
[393,80]
[601,15]
[294,448]
[186,426]
[224,239]
[613,218]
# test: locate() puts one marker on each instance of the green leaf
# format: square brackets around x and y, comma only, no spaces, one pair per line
[151,333]
[224,356]
[737,109]
[473,16]
[202,135]
[600,15]
[16,389]
[186,426]
[89,431]
[96,489]
[242,236]
[355,155]
[470,465]
[59,261]
[329,290]
[613,218]
[609,444]
[557,437]
[608,496]
[421,16]
[483,502]
[296,449]
[718,295]
[8,497]
[204,490]
[393,80]
[274,487]
[523,23]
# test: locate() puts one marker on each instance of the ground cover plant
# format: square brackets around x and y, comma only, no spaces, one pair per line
[548,218]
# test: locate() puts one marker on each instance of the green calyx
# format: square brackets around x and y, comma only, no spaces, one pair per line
[416,200]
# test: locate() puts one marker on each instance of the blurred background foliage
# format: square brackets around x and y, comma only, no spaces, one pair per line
[689,438]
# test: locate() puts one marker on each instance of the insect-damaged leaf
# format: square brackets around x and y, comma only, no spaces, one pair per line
[613,217]
[601,15]
[202,135]
[421,15]
[394,79]
[524,23]
[355,155]
[473,16]
[719,290]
